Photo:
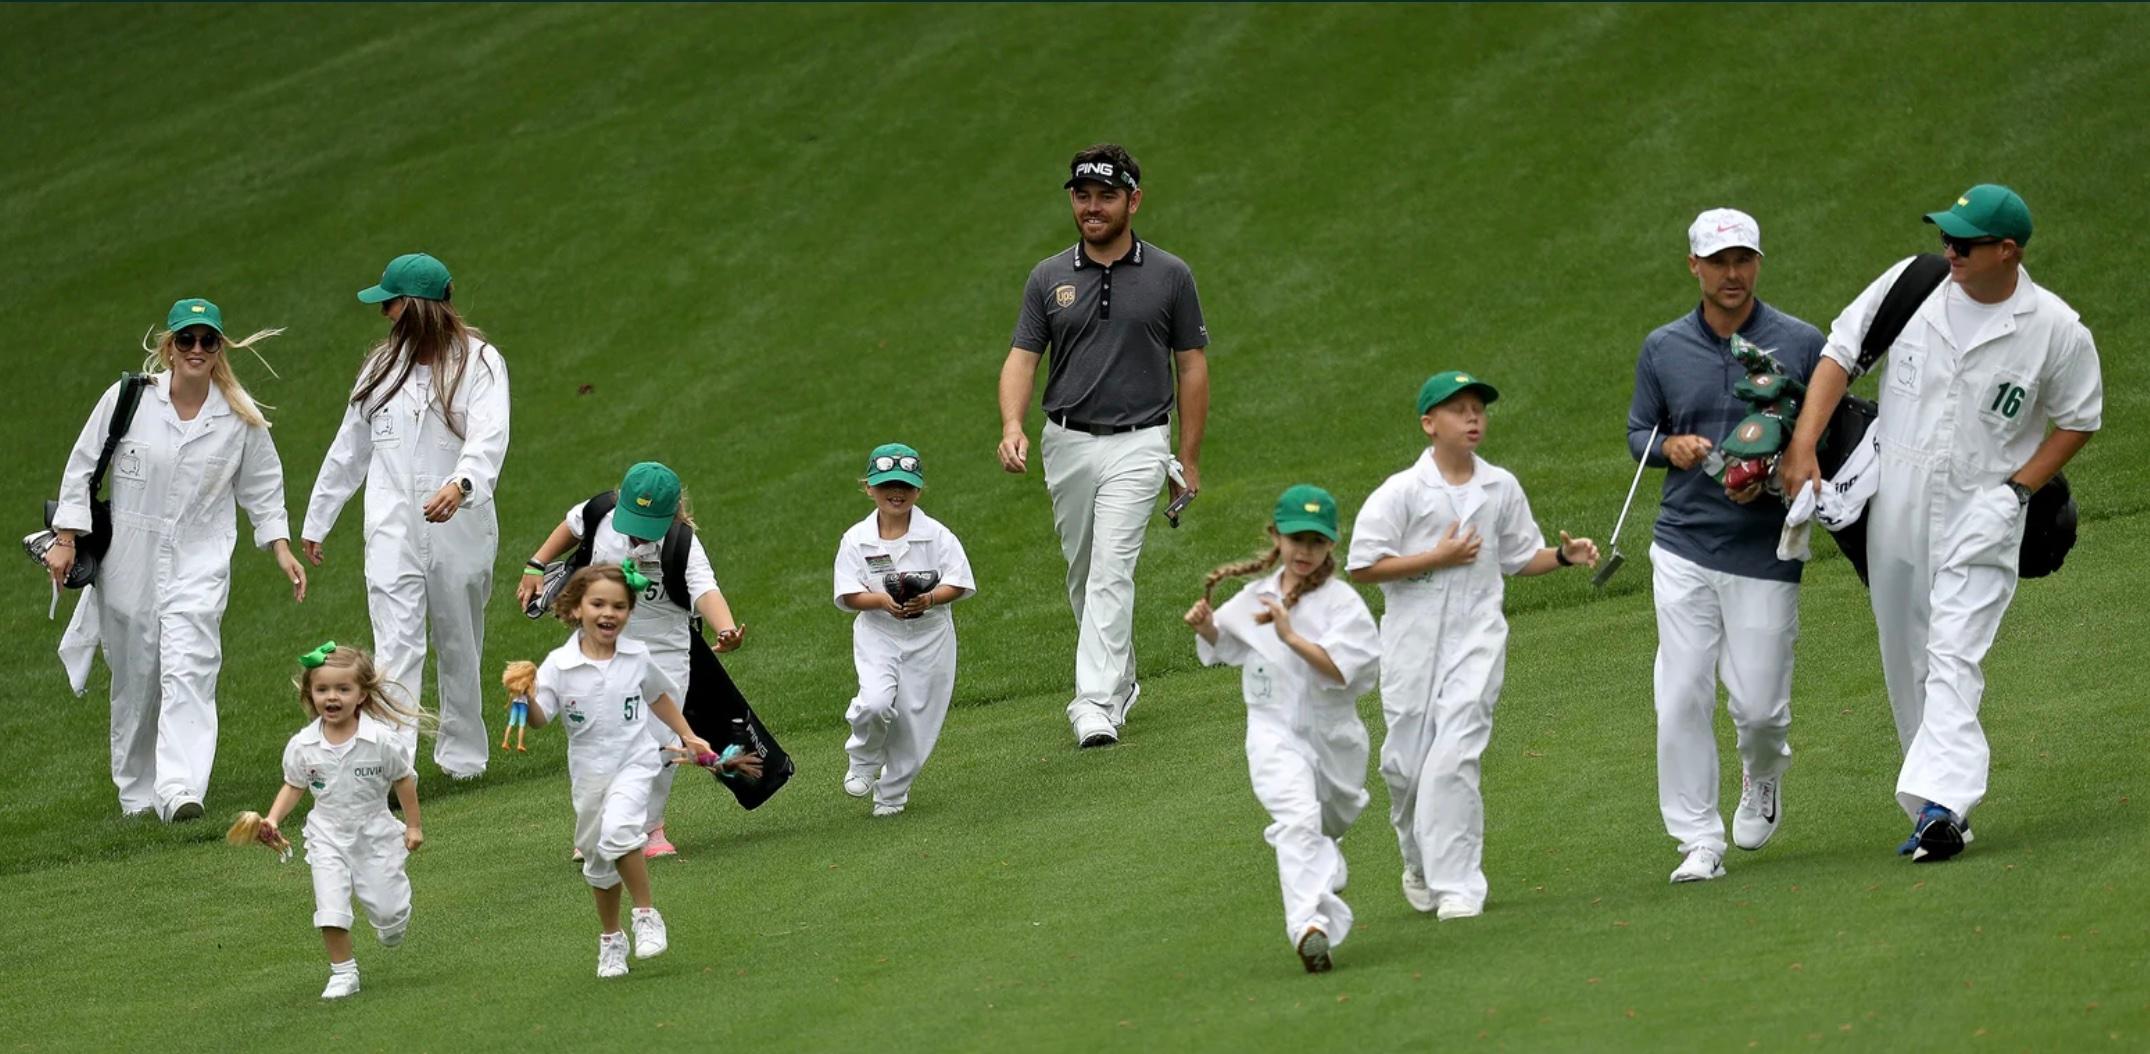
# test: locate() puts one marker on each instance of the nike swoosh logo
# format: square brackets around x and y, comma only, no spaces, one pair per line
[1733,227]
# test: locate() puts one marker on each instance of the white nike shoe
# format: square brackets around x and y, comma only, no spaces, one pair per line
[1700,866]
[1415,892]
[649,933]
[1451,906]
[856,785]
[1126,704]
[612,955]
[341,983]
[1761,802]
[1095,730]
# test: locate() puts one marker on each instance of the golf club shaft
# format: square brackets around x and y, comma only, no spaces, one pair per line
[1641,464]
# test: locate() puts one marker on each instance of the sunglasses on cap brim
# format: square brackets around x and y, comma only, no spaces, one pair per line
[886,462]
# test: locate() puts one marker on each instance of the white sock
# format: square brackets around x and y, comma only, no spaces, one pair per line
[346,966]
[643,913]
[615,935]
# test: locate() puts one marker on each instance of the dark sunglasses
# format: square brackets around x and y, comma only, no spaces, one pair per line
[209,342]
[1963,246]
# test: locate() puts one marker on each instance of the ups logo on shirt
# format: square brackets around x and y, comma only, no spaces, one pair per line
[1064,295]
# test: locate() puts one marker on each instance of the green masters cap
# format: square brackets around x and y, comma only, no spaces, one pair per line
[649,498]
[1306,507]
[1987,210]
[412,274]
[194,311]
[894,463]
[1441,387]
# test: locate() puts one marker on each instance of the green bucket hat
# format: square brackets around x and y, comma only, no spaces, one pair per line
[894,463]
[1306,507]
[194,311]
[649,499]
[412,274]
[1987,210]
[1442,387]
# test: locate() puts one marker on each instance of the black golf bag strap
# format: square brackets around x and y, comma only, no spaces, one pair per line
[1911,288]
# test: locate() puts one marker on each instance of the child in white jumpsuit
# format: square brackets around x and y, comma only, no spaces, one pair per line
[351,759]
[1307,649]
[425,433]
[196,446]
[604,686]
[648,503]
[905,651]
[1438,536]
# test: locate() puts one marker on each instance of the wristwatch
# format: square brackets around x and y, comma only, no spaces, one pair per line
[2023,494]
[462,483]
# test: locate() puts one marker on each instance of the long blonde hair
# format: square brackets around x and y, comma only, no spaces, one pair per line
[1261,562]
[427,329]
[159,360]
[377,703]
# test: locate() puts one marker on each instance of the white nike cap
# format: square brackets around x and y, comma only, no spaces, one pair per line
[1720,229]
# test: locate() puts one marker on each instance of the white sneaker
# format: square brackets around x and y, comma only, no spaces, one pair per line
[1451,906]
[1700,866]
[1342,878]
[887,810]
[394,937]
[649,933]
[612,955]
[1415,892]
[1760,804]
[1095,730]
[341,983]
[856,785]
[1127,703]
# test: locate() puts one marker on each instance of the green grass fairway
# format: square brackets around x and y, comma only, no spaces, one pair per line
[756,241]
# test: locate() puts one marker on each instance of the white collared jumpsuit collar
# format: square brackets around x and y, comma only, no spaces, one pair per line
[906,667]
[1444,652]
[1306,747]
[1956,422]
[421,574]
[353,845]
[158,605]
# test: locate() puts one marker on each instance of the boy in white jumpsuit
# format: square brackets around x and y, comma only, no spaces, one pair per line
[1989,362]
[157,607]
[1444,639]
[905,652]
[1305,660]
[431,526]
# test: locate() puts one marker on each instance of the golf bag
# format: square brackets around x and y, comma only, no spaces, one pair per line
[90,547]
[718,713]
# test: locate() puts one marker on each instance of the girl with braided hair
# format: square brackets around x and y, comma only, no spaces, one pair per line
[1307,649]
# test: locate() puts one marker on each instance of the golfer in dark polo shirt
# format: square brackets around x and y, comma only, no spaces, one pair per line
[1123,329]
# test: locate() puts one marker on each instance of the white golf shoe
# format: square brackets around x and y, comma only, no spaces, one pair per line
[1700,866]
[1095,730]
[1126,703]
[1761,802]
[1451,906]
[1415,892]
[649,933]
[612,955]
[341,983]
[856,785]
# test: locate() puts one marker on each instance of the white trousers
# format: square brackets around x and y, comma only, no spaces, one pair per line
[905,682]
[369,869]
[1103,489]
[1437,734]
[1942,559]
[164,723]
[442,578]
[1309,809]
[1711,626]
[612,818]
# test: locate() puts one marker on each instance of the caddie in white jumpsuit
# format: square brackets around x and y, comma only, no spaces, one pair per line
[1989,363]
[157,607]
[906,666]
[1123,326]
[1306,747]
[354,846]
[421,573]
[611,757]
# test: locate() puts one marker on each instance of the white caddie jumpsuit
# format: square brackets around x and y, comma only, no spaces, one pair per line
[354,846]
[1444,651]
[658,622]
[906,667]
[420,573]
[1960,414]
[611,757]
[1306,748]
[159,599]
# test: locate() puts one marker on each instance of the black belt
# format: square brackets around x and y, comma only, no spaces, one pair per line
[1107,430]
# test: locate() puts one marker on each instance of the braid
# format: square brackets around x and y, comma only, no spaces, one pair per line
[1312,582]
[1241,569]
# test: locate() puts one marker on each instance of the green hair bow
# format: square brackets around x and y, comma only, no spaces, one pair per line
[636,580]
[318,656]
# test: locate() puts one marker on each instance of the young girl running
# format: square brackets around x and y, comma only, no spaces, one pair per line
[350,757]
[605,686]
[1444,641]
[647,508]
[425,433]
[1307,648]
[903,641]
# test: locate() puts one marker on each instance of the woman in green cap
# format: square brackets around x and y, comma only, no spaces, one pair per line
[425,432]
[193,446]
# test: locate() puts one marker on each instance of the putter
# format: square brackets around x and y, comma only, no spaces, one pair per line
[1613,559]
[1178,505]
